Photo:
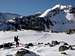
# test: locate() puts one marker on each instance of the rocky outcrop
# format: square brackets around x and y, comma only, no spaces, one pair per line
[6,45]
[32,22]
[24,52]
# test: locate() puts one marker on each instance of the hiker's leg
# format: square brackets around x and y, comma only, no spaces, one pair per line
[17,44]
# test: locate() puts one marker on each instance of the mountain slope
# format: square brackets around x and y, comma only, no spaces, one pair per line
[53,19]
[7,16]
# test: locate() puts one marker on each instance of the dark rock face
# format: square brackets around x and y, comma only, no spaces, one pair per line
[72,10]
[28,45]
[24,52]
[51,45]
[1,46]
[66,44]
[70,31]
[6,45]
[33,22]
[63,48]
[64,53]
[55,43]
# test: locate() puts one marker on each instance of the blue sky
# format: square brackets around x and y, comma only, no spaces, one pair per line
[28,7]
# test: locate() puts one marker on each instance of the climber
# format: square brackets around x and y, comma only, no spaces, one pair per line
[16,40]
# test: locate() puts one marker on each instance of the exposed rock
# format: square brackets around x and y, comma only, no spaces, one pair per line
[63,48]
[55,43]
[6,45]
[64,53]
[40,43]
[70,31]
[71,48]
[49,44]
[24,52]
[1,46]
[66,44]
[28,45]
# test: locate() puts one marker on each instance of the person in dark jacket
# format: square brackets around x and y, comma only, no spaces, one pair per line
[16,40]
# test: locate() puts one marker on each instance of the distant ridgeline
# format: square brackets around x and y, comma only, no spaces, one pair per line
[32,22]
[4,17]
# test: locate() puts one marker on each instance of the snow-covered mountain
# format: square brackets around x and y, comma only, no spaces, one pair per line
[4,17]
[7,16]
[33,22]
[62,16]
[59,18]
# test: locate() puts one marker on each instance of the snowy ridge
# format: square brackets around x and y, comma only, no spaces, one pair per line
[60,7]
[61,17]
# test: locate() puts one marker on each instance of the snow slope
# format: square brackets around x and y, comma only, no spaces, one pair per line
[29,36]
